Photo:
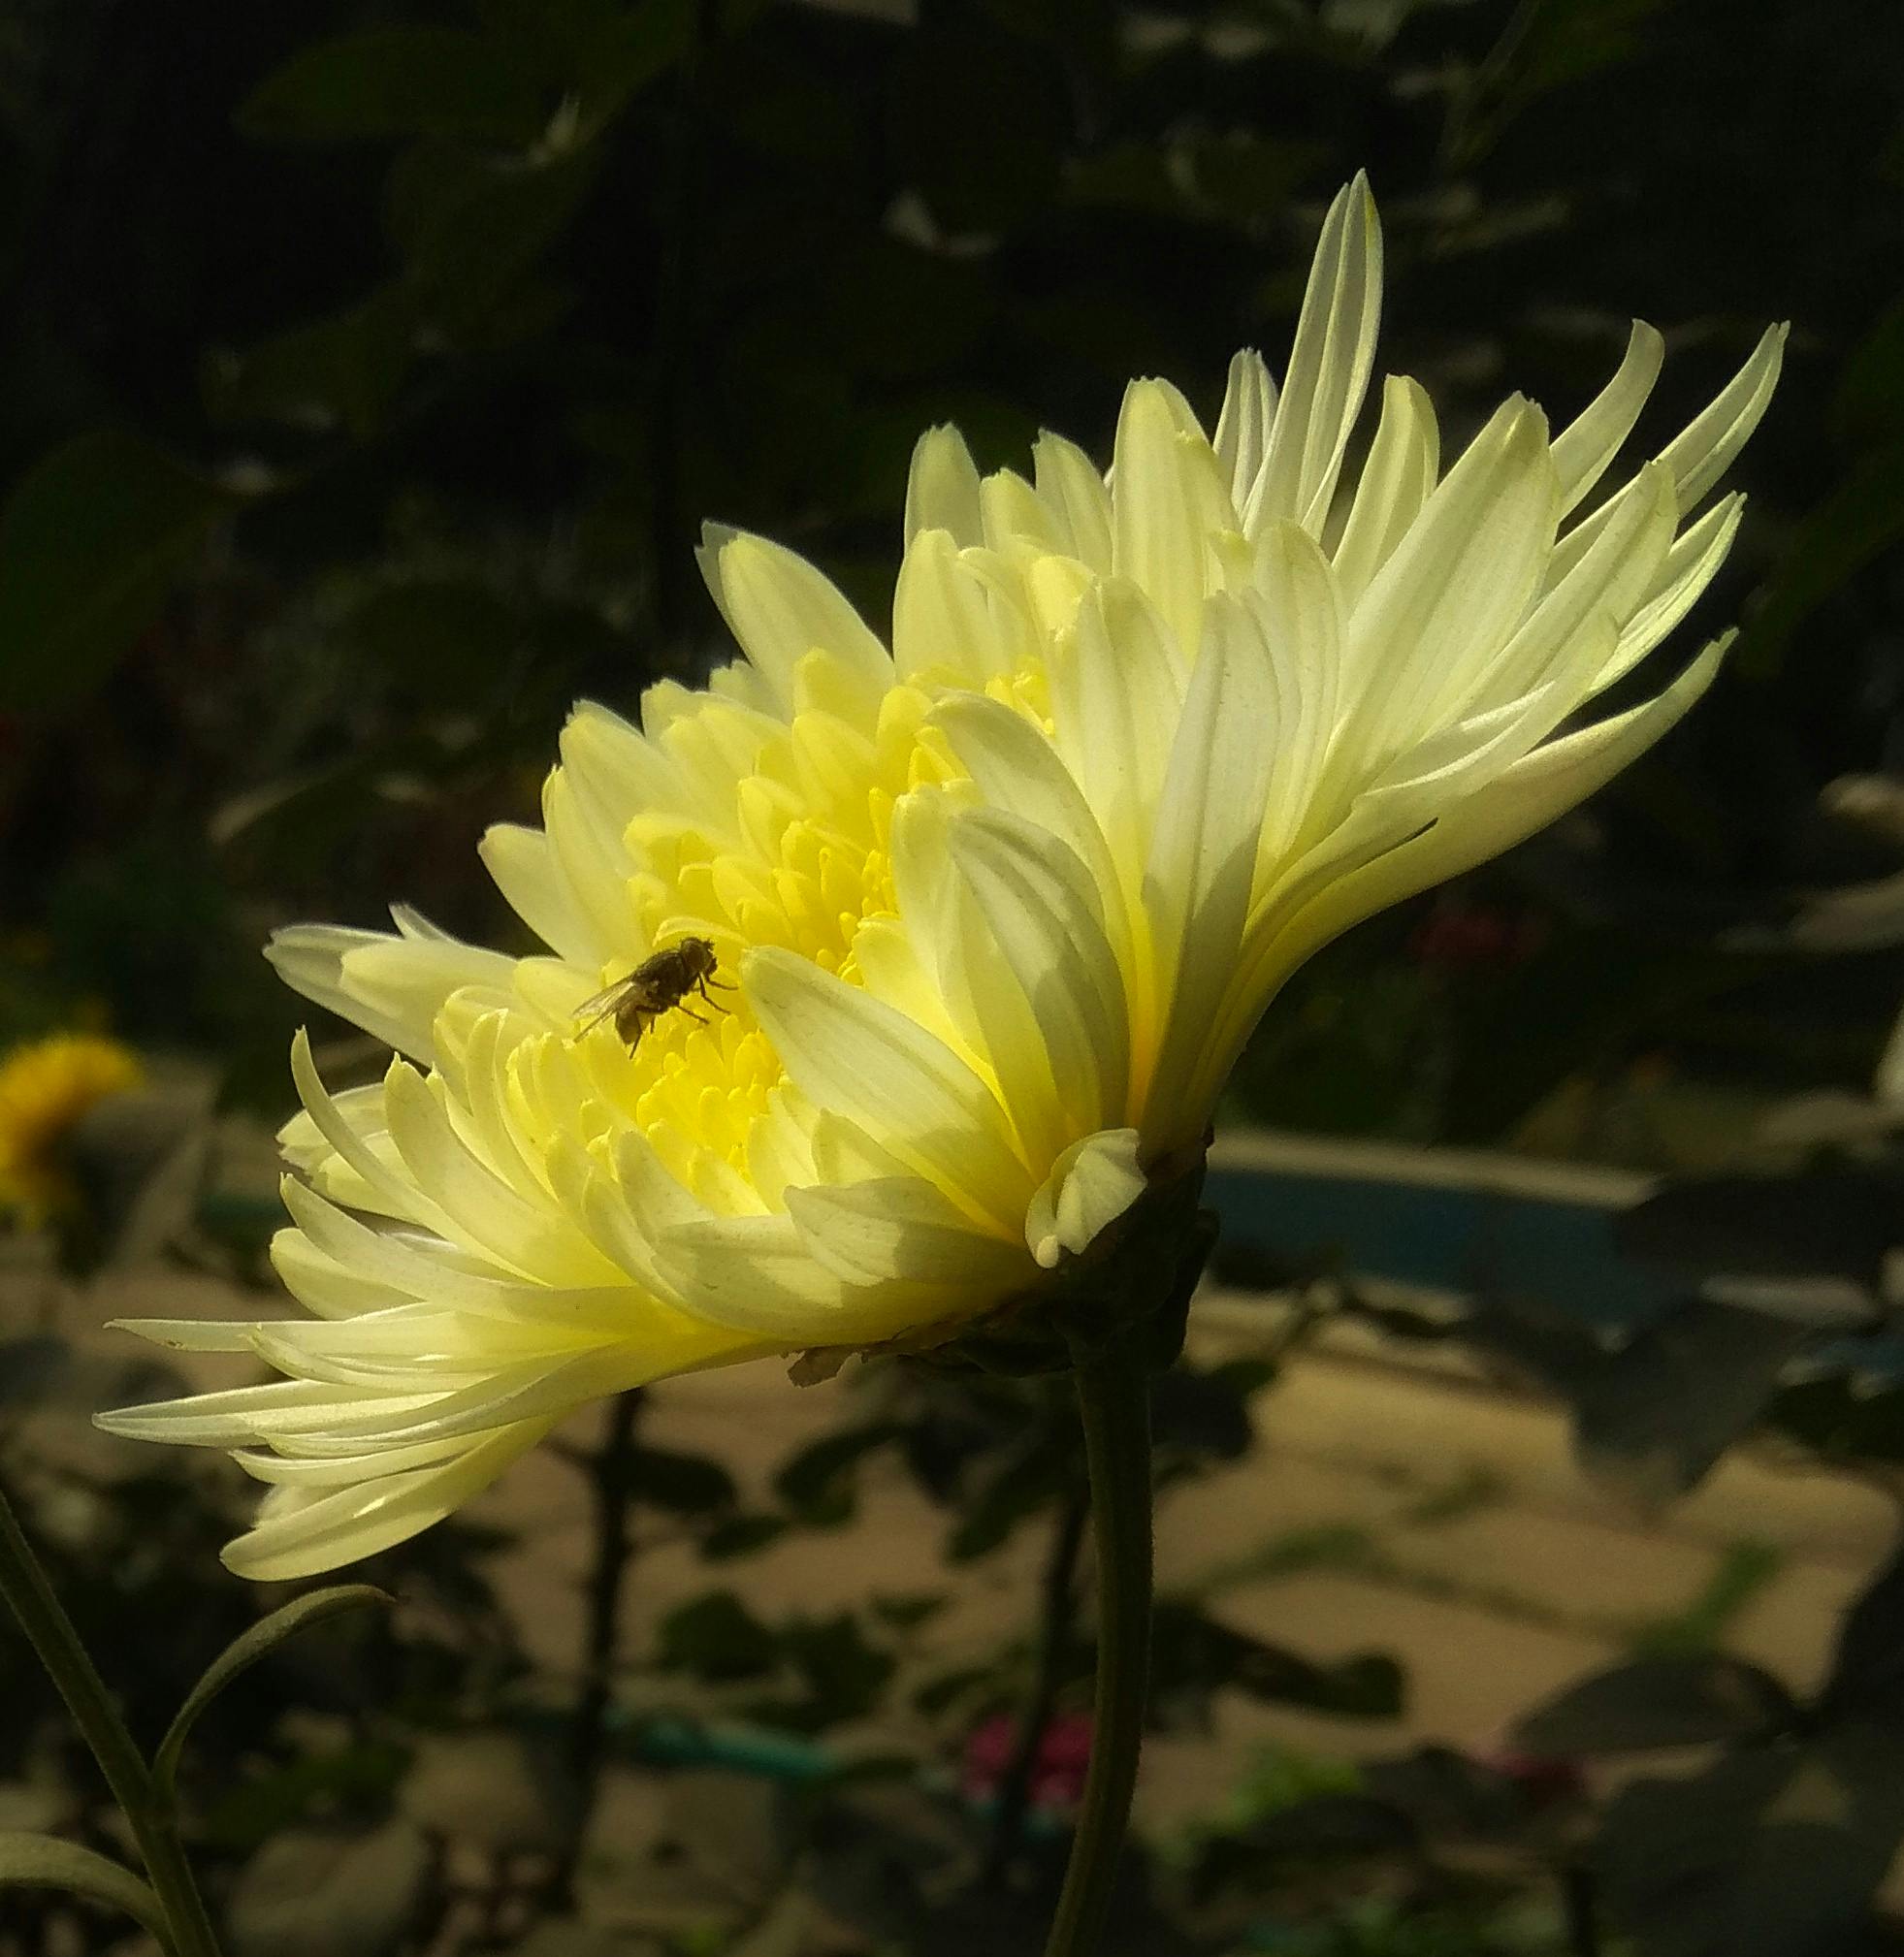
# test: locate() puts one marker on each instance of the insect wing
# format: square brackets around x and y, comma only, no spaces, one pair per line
[598,1007]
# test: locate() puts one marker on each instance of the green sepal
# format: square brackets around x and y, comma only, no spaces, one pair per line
[1128,1294]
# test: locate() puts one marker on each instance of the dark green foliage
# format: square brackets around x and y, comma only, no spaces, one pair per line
[92,541]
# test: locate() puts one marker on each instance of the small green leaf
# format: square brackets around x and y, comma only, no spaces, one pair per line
[91,544]
[817,1483]
[717,1639]
[598,53]
[344,370]
[244,1651]
[1654,1702]
[396,81]
[681,1484]
[741,1537]
[469,227]
[45,1862]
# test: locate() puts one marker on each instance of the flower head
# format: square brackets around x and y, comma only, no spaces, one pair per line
[46,1087]
[999,905]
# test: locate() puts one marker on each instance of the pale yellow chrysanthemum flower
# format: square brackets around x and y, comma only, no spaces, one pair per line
[47,1087]
[1002,903]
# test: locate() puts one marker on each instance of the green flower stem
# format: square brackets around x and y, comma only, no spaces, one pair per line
[1113,1397]
[50,1631]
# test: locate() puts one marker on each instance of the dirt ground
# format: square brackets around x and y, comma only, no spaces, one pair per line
[1388,1506]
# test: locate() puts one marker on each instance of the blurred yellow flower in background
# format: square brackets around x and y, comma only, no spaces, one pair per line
[999,904]
[46,1087]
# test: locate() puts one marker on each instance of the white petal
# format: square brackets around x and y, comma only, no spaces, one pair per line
[1523,798]
[1583,449]
[1093,1183]
[950,613]
[1115,696]
[354,1522]
[1041,909]
[1072,488]
[1397,480]
[519,860]
[1457,584]
[1169,497]
[532,1239]
[1300,615]
[1701,456]
[1013,514]
[348,1471]
[942,488]
[324,1286]
[251,1413]
[1689,566]
[1203,854]
[590,876]
[390,986]
[392,1187]
[1242,429]
[901,1227]
[756,1274]
[781,608]
[1018,770]
[1605,583]
[1329,366]
[850,1053]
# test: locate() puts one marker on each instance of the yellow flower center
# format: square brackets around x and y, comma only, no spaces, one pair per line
[803,864]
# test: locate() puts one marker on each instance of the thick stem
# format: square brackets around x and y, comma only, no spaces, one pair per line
[50,1631]
[1047,1681]
[1113,1397]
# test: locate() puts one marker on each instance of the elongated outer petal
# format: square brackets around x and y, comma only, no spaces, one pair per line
[1300,614]
[901,1227]
[1115,696]
[1328,367]
[1242,429]
[758,1274]
[522,864]
[1091,1184]
[484,1210]
[1700,455]
[1456,585]
[1690,565]
[1395,481]
[1587,445]
[1708,447]
[1019,772]
[1606,585]
[781,609]
[1203,854]
[1042,908]
[953,616]
[392,986]
[324,1286]
[850,1053]
[357,1520]
[942,488]
[1523,798]
[1070,485]
[1169,497]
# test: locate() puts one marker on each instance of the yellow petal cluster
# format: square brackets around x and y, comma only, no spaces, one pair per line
[1000,902]
[46,1088]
